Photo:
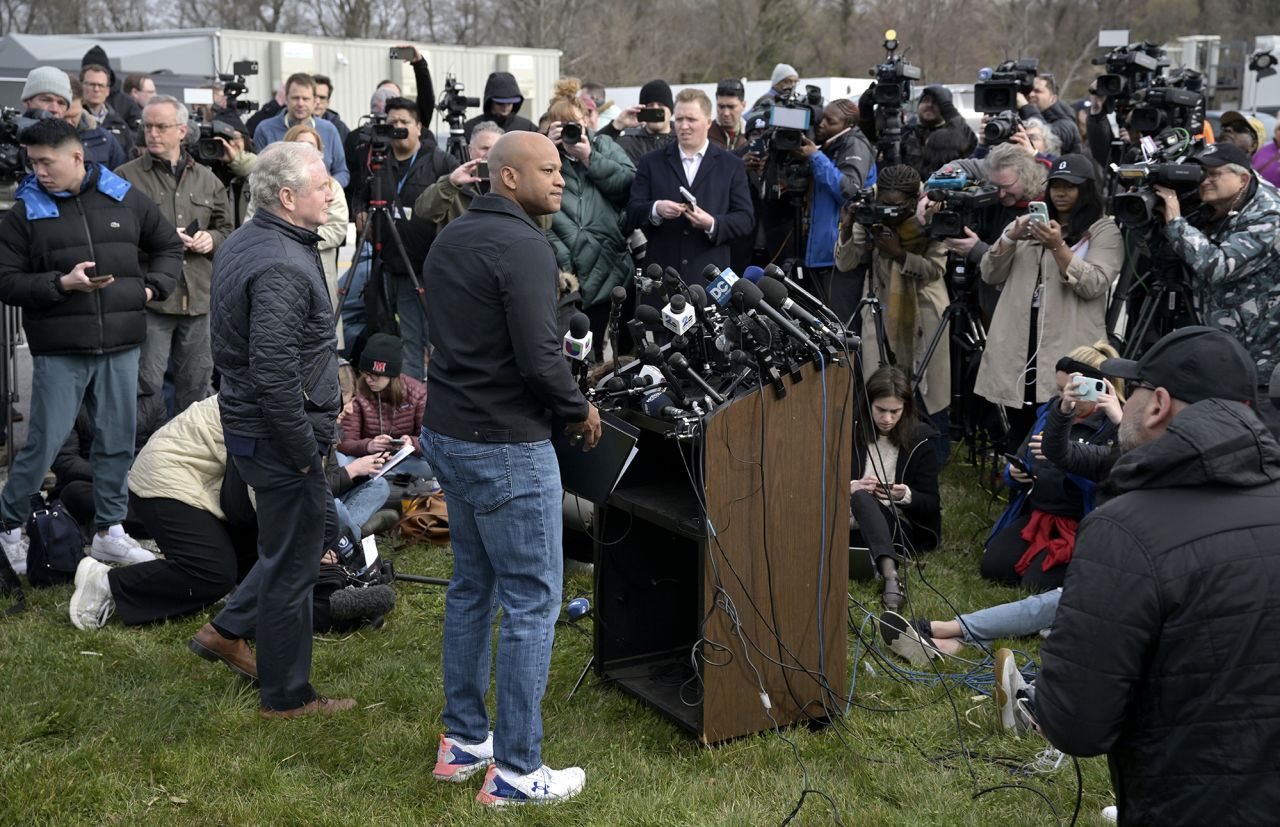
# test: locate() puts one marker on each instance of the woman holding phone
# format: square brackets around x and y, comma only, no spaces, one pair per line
[388,410]
[1054,267]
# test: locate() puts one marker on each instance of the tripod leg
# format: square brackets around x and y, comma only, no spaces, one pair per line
[581,677]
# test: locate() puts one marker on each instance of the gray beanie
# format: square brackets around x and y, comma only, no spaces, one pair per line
[49,79]
[781,72]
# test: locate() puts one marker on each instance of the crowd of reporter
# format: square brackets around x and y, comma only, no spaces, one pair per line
[119,321]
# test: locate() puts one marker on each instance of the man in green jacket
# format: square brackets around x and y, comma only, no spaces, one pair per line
[194,201]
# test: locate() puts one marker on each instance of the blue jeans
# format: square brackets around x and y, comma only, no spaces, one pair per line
[359,504]
[413,324]
[108,386]
[1017,619]
[506,528]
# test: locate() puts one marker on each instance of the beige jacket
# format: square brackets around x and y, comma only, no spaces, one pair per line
[926,295]
[1073,309]
[185,460]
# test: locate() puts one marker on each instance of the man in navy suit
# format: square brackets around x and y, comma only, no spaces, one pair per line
[688,236]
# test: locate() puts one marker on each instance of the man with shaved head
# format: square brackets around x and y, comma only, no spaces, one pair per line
[497,380]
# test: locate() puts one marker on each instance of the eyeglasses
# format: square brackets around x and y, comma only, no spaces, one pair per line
[1138,384]
[94,85]
[159,127]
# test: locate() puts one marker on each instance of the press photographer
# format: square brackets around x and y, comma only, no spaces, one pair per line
[646,127]
[451,194]
[1229,244]
[408,169]
[935,112]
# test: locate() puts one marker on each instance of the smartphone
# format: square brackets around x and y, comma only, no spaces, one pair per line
[482,170]
[1017,462]
[193,227]
[688,198]
[400,54]
[91,273]
[1038,211]
[1089,388]
[651,114]
[396,444]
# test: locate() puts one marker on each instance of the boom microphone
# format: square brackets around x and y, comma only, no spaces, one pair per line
[753,299]
[775,293]
[353,603]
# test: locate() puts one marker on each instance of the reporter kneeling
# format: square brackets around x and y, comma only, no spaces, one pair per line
[1032,542]
[895,500]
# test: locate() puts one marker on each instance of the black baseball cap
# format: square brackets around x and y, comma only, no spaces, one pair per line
[1072,168]
[1193,363]
[1222,153]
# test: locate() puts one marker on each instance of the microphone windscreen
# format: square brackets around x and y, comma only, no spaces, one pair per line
[752,274]
[678,303]
[775,292]
[774,271]
[672,274]
[653,403]
[710,272]
[579,324]
[653,271]
[352,603]
[618,295]
[740,357]
[678,361]
[697,296]
[649,314]
[748,293]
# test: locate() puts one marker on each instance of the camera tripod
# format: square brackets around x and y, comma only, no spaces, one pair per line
[379,229]
[1167,304]
[456,146]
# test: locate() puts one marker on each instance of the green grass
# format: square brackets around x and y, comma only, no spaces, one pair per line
[124,726]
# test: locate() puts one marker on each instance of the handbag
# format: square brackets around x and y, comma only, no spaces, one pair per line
[426,518]
[55,544]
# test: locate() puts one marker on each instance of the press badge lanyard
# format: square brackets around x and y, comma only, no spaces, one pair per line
[399,212]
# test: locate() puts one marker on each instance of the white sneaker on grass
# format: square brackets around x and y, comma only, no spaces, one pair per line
[121,549]
[456,761]
[16,551]
[91,603]
[1011,694]
[543,785]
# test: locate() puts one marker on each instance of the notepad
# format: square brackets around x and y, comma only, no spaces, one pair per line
[594,474]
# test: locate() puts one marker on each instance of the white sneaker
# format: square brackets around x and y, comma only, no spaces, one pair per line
[123,550]
[543,785]
[456,761]
[17,554]
[91,603]
[1010,693]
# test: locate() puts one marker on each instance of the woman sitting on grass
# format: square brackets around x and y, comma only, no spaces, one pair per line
[388,408]
[895,499]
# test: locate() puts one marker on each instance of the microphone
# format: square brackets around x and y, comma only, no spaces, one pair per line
[650,280]
[371,602]
[680,363]
[649,316]
[753,273]
[719,283]
[746,366]
[652,355]
[753,299]
[677,316]
[775,293]
[577,341]
[616,297]
[660,405]
[814,302]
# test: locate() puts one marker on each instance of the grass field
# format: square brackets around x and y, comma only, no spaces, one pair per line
[124,726]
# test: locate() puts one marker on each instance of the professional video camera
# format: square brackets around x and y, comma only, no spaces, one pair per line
[1176,102]
[789,121]
[381,134]
[208,148]
[13,163]
[996,94]
[1130,69]
[958,200]
[453,104]
[894,87]
[233,85]
[1166,166]
[870,213]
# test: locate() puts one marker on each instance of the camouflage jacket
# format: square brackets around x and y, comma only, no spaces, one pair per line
[1237,273]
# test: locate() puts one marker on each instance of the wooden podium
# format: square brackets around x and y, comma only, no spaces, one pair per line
[770,548]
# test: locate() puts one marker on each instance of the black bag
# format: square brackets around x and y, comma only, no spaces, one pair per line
[55,544]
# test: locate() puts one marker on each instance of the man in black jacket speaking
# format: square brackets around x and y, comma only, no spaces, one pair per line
[271,326]
[69,258]
[1163,650]
[497,381]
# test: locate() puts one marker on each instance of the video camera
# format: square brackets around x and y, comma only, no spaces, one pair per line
[868,212]
[233,85]
[209,149]
[13,161]
[996,94]
[894,81]
[1173,102]
[789,120]
[1165,166]
[959,201]
[453,104]
[1130,69]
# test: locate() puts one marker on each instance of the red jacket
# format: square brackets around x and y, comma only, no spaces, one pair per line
[370,418]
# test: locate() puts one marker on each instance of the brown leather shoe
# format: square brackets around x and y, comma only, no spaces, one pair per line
[236,654]
[321,705]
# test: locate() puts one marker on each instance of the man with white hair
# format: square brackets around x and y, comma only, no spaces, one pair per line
[193,200]
[273,343]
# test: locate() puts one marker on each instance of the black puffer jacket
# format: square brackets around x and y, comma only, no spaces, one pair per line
[272,331]
[1163,652]
[44,237]
[916,132]
[501,85]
